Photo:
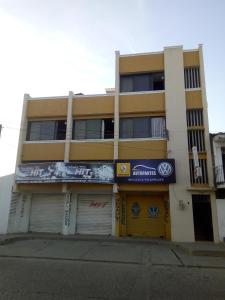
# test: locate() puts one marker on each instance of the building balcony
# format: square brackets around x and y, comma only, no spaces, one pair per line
[219,175]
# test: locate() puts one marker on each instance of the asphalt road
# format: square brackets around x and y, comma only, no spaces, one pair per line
[91,270]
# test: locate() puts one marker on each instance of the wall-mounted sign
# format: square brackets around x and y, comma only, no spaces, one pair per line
[146,171]
[65,172]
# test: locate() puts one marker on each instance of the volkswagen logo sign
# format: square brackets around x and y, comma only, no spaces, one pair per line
[165,169]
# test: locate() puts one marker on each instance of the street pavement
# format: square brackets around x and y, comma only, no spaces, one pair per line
[84,269]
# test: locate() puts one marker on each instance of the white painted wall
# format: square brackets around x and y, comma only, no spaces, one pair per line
[6,183]
[182,227]
[220,203]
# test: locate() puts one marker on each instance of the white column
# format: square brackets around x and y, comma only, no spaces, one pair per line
[22,135]
[69,128]
[116,131]
[205,118]
[182,228]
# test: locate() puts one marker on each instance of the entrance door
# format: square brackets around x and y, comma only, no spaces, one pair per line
[94,214]
[46,213]
[146,216]
[202,218]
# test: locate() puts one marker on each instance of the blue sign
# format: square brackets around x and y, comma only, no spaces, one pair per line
[145,171]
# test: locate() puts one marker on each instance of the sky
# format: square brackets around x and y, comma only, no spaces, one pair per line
[51,47]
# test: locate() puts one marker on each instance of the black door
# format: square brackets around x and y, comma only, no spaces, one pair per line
[202,217]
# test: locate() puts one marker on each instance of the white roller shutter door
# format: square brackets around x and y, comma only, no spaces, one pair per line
[94,214]
[46,213]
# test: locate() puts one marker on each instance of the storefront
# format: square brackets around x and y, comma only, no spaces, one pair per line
[143,198]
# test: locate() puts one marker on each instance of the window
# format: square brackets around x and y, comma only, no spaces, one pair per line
[93,129]
[192,77]
[203,165]
[143,127]
[142,82]
[46,130]
[196,138]
[194,117]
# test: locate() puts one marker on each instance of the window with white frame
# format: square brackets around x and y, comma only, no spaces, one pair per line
[46,130]
[143,127]
[93,129]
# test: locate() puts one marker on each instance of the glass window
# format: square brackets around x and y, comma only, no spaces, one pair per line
[126,128]
[126,84]
[34,131]
[93,129]
[144,127]
[142,82]
[46,130]
[141,127]
[158,127]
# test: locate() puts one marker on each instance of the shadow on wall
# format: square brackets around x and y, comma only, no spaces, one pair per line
[6,183]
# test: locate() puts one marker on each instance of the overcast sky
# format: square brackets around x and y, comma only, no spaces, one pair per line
[49,47]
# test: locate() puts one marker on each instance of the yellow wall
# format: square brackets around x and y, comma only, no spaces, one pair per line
[40,187]
[143,149]
[191,58]
[143,187]
[88,106]
[90,187]
[47,108]
[43,151]
[142,103]
[141,63]
[91,151]
[193,99]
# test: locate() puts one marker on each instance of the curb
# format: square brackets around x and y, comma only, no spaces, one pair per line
[103,239]
[201,252]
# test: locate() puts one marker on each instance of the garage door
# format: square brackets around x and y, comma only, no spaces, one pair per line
[46,213]
[146,216]
[94,214]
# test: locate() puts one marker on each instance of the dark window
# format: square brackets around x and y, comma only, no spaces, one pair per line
[93,129]
[196,138]
[142,82]
[194,117]
[192,77]
[142,127]
[108,129]
[203,165]
[46,130]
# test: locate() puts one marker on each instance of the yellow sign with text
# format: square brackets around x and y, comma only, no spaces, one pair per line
[123,169]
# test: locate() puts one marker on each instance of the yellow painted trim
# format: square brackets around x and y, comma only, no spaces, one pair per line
[90,106]
[151,149]
[47,108]
[201,155]
[87,187]
[150,114]
[142,103]
[40,187]
[91,151]
[194,99]
[45,151]
[150,188]
[191,58]
[141,63]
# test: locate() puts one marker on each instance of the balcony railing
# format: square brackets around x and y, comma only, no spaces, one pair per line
[220,172]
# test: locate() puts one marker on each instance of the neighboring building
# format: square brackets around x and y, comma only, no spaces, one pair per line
[6,184]
[146,128]
[218,149]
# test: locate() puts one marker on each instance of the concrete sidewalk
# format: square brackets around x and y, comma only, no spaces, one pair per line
[194,249]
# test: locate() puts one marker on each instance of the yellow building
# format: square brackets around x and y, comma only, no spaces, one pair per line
[145,128]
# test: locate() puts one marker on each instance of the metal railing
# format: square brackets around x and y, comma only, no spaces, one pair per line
[220,174]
